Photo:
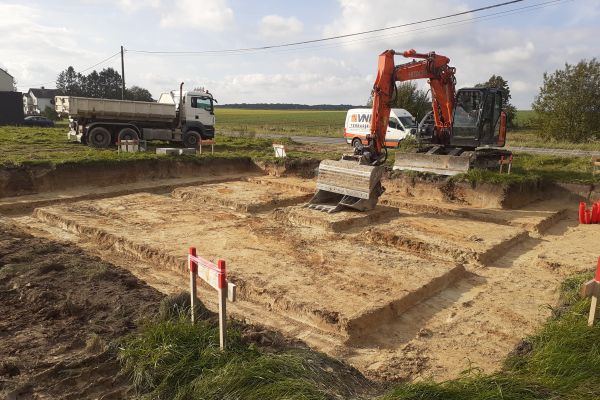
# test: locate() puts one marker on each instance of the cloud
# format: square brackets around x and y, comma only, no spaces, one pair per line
[359,16]
[135,5]
[23,27]
[208,15]
[307,88]
[275,26]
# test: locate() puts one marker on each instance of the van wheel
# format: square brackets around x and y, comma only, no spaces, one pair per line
[99,137]
[357,144]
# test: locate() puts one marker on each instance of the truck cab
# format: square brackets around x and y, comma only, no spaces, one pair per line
[198,113]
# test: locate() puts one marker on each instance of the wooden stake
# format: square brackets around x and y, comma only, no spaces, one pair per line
[222,305]
[193,290]
[592,316]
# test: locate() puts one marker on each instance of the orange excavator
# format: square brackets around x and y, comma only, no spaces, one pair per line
[469,129]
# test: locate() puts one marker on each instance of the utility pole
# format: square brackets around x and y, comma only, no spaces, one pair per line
[122,74]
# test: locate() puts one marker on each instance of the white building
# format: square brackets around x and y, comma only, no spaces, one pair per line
[7,82]
[36,100]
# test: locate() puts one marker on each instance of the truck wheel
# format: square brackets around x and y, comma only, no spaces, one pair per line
[191,139]
[99,137]
[128,134]
[356,143]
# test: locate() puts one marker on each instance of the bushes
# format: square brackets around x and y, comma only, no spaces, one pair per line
[568,105]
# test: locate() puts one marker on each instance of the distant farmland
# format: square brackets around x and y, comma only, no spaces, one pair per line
[285,122]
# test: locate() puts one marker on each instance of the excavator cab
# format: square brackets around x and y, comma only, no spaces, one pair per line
[477,115]
[478,129]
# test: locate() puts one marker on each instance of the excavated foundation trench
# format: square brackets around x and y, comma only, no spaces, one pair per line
[405,291]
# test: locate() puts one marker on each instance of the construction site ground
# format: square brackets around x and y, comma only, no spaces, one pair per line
[417,288]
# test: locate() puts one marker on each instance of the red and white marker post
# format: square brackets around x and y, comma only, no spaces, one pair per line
[592,289]
[216,276]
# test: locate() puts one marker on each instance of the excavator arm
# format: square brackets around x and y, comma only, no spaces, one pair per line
[432,66]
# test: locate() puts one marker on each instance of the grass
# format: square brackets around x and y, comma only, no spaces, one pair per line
[173,359]
[170,358]
[32,146]
[530,167]
[562,361]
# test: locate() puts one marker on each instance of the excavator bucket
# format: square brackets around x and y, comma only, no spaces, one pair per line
[347,184]
[435,163]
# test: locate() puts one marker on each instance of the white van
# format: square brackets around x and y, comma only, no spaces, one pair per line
[358,126]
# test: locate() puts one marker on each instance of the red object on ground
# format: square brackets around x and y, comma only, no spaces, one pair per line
[588,216]
[597,277]
[582,208]
[192,264]
[595,210]
[222,276]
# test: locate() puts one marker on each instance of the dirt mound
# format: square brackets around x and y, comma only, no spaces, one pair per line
[23,180]
[60,310]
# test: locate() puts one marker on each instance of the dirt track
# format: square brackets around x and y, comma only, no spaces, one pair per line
[416,288]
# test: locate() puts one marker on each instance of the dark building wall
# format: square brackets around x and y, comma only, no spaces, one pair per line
[11,108]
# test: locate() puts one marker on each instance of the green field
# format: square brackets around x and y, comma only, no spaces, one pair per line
[282,122]
[331,124]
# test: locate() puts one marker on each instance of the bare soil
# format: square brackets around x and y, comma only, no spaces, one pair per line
[421,287]
[60,310]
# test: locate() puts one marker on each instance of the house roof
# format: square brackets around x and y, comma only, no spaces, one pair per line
[6,72]
[44,93]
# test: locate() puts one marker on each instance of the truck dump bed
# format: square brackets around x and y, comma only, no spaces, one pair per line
[114,109]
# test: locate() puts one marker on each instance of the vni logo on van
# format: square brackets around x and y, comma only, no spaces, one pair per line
[361,117]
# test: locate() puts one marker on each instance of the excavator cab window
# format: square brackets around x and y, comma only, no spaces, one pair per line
[469,104]
[491,117]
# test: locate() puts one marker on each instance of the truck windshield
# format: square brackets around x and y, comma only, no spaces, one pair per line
[202,102]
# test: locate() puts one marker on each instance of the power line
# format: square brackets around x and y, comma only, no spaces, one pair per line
[83,70]
[331,37]
[373,38]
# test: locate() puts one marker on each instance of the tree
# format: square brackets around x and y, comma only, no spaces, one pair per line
[496,81]
[138,94]
[568,104]
[413,100]
[105,84]
[50,113]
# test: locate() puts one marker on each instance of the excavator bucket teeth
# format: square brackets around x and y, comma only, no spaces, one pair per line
[434,163]
[347,184]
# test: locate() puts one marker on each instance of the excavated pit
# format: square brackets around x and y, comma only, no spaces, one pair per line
[287,270]
[402,292]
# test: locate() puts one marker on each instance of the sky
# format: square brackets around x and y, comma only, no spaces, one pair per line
[38,39]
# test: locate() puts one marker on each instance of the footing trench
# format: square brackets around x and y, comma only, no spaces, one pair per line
[401,292]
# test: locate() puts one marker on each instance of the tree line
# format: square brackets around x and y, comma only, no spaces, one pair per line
[105,84]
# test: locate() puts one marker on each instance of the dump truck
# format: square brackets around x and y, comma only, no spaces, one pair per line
[101,123]
[469,132]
